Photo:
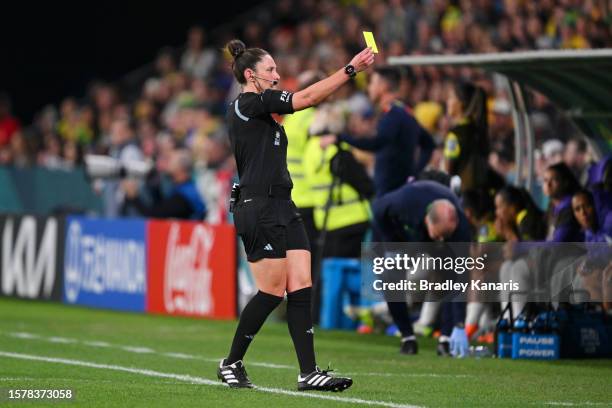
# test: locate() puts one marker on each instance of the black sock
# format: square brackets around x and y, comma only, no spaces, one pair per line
[299,318]
[251,319]
[401,317]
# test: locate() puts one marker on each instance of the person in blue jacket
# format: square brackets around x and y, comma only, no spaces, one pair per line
[424,211]
[398,135]
[184,201]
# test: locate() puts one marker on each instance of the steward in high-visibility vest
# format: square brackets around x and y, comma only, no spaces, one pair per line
[339,188]
[296,127]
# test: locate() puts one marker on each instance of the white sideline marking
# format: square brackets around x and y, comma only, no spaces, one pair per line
[195,380]
[574,404]
[270,365]
[97,343]
[23,335]
[178,355]
[139,350]
[432,375]
[61,340]
[183,356]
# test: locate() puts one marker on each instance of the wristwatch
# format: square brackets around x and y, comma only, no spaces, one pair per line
[350,70]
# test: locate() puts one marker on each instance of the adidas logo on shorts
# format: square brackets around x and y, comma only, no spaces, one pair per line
[268,247]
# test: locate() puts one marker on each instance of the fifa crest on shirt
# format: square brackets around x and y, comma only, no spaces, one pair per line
[277,139]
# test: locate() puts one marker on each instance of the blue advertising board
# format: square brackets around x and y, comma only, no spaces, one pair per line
[105,263]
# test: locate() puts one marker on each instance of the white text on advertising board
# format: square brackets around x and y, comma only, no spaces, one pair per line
[99,264]
[26,271]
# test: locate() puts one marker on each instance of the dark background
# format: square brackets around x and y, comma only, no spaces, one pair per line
[49,51]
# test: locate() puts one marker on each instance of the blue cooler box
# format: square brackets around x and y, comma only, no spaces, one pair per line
[504,344]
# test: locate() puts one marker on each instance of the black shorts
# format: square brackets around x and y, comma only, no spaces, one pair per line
[269,227]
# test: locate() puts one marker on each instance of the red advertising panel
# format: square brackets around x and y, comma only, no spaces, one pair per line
[191,269]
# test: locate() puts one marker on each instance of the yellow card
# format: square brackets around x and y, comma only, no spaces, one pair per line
[369,39]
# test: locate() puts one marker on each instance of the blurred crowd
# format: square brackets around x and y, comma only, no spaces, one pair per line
[180,102]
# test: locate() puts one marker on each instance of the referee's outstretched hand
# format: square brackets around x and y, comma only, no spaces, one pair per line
[363,60]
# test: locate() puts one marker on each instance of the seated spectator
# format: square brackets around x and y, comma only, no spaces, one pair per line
[480,212]
[125,149]
[552,151]
[517,216]
[517,219]
[183,202]
[583,206]
[197,61]
[560,184]
[72,155]
[592,266]
[575,156]
[22,148]
[50,157]
[600,183]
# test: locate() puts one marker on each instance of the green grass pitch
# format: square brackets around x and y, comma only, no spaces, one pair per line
[113,359]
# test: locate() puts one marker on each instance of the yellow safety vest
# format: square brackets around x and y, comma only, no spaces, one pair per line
[346,207]
[296,127]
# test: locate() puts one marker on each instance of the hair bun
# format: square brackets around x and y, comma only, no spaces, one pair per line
[236,48]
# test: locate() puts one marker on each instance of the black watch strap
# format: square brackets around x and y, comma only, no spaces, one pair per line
[350,70]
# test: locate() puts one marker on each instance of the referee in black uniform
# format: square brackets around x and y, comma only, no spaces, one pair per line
[267,220]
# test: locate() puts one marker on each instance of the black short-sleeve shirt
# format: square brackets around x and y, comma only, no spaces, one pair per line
[258,141]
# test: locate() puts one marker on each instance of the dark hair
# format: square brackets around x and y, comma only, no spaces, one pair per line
[581,144]
[587,194]
[80,152]
[243,58]
[435,175]
[568,184]
[514,196]
[474,102]
[521,200]
[391,75]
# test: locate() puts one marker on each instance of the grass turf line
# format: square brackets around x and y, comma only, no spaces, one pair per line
[378,370]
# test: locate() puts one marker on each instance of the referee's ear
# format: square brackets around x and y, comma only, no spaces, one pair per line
[248,75]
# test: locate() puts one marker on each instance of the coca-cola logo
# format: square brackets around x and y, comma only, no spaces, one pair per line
[187,274]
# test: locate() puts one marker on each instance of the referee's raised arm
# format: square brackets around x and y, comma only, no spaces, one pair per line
[318,91]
